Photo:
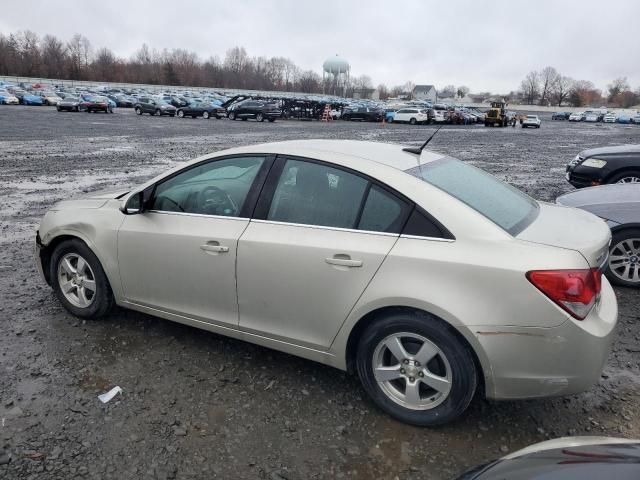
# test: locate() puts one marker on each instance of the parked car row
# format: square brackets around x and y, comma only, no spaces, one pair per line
[593,116]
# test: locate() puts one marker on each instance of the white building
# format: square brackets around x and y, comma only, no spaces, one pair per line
[425,92]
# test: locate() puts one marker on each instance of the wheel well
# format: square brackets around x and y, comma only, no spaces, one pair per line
[371,317]
[45,254]
[618,171]
[626,226]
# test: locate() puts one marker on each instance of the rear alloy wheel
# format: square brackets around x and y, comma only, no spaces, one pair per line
[416,368]
[259,117]
[138,111]
[626,177]
[412,121]
[180,114]
[205,115]
[624,258]
[79,280]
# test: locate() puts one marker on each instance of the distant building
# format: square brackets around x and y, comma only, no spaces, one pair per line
[424,92]
[366,93]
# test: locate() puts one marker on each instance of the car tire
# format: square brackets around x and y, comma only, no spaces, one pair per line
[138,111]
[172,115]
[629,176]
[271,120]
[412,121]
[180,114]
[158,112]
[71,253]
[77,109]
[448,365]
[259,117]
[623,266]
[232,115]
[58,109]
[205,115]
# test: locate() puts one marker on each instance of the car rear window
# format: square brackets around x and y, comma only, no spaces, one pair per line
[506,206]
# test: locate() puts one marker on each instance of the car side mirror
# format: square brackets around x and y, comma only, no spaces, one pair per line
[134,205]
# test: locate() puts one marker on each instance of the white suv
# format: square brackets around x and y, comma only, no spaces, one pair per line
[411,115]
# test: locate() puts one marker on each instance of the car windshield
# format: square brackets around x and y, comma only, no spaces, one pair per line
[71,99]
[504,205]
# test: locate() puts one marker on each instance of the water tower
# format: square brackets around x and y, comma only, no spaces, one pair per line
[335,75]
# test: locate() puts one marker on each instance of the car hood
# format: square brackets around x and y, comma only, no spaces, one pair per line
[93,200]
[610,150]
[617,202]
[572,229]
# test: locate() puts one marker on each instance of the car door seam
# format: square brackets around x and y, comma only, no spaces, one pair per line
[362,293]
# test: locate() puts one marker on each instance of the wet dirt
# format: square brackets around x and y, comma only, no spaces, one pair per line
[196,405]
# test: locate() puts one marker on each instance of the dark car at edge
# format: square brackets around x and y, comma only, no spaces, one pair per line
[572,458]
[598,166]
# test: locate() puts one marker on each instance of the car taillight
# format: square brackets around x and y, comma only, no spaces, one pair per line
[575,291]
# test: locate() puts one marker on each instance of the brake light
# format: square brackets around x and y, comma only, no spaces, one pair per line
[575,291]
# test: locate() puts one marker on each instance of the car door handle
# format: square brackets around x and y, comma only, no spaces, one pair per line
[343,261]
[214,247]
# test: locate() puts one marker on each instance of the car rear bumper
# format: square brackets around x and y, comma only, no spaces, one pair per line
[544,362]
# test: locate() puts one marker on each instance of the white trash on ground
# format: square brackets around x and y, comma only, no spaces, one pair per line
[105,397]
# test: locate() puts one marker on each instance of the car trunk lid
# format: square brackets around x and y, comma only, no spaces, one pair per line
[572,229]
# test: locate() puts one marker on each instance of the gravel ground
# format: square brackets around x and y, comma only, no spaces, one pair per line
[196,405]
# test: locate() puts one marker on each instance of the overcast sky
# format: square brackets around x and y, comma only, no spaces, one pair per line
[487,45]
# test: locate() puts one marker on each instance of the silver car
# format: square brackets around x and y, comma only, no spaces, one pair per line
[428,277]
[619,206]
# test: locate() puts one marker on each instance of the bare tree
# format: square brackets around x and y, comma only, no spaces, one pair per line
[309,82]
[531,87]
[104,65]
[548,76]
[53,57]
[462,91]
[618,86]
[449,91]
[561,89]
[383,91]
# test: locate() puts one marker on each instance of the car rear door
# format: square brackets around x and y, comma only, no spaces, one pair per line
[179,256]
[318,237]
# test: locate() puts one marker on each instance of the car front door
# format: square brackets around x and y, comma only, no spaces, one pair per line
[179,256]
[317,238]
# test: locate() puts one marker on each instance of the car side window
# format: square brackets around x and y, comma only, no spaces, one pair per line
[316,194]
[219,187]
[383,212]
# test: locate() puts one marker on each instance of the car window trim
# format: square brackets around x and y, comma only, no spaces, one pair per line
[325,227]
[252,195]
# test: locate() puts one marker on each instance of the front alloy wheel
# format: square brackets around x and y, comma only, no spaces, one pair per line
[180,113]
[79,280]
[205,115]
[259,117]
[76,279]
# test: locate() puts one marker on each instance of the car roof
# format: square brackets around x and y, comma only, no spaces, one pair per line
[340,152]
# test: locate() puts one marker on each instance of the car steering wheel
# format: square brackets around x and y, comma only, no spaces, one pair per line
[215,201]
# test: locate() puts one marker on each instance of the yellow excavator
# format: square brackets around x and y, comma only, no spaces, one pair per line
[497,115]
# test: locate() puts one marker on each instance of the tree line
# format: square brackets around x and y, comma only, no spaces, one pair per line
[26,54]
[549,87]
